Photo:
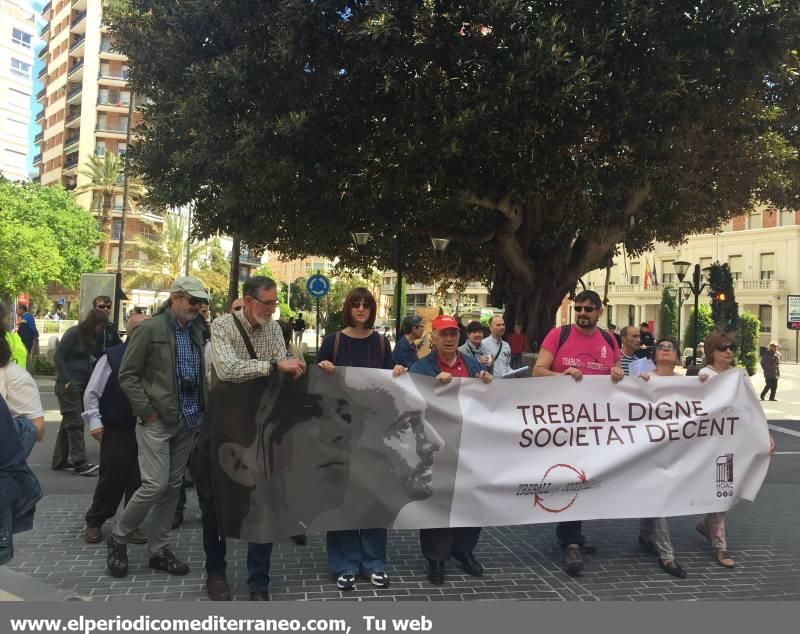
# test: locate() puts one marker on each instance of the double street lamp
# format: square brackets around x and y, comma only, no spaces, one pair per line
[695,287]
[439,246]
[681,294]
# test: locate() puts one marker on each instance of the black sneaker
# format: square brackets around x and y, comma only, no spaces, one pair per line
[117,558]
[87,469]
[574,560]
[164,560]
[346,582]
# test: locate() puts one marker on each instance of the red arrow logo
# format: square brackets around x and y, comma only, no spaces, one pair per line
[539,501]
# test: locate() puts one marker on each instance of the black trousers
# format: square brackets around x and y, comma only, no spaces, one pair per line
[570,533]
[119,474]
[771,387]
[439,544]
[70,445]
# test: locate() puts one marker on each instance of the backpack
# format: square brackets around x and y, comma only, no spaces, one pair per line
[566,330]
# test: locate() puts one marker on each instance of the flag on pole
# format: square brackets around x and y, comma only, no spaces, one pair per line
[646,273]
[655,274]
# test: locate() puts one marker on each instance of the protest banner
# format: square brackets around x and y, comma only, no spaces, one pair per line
[361,450]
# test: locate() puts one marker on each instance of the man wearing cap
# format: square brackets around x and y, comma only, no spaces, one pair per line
[444,363]
[162,374]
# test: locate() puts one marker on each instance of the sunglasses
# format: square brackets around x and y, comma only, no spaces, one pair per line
[667,347]
[194,301]
[360,304]
[730,346]
[584,309]
[104,306]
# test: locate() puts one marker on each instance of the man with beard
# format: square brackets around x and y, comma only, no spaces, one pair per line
[247,344]
[575,350]
[162,374]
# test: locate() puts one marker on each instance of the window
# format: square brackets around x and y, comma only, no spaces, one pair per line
[765,317]
[100,148]
[122,125]
[148,233]
[767,266]
[102,96]
[105,69]
[20,68]
[102,122]
[117,201]
[787,218]
[121,149]
[704,264]
[636,272]
[668,272]
[21,38]
[417,299]
[735,264]
[116,228]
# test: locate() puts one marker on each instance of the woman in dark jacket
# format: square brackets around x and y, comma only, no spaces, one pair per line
[75,357]
[353,552]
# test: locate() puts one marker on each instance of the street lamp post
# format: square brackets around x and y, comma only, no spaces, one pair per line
[696,287]
[681,294]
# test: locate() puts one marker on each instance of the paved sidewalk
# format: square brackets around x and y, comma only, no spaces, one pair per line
[522,562]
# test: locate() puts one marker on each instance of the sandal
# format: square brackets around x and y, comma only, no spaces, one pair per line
[724,559]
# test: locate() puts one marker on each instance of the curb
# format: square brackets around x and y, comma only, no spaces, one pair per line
[27,589]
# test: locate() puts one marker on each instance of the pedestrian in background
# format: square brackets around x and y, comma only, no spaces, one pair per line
[405,350]
[75,357]
[111,422]
[771,365]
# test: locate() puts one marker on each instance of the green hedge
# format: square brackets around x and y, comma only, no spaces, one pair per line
[42,366]
[747,331]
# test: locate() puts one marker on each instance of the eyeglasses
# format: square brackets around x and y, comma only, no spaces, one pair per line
[270,302]
[584,309]
[667,347]
[104,306]
[193,301]
[360,304]
[725,348]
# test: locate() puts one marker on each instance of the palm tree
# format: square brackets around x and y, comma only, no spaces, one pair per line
[165,259]
[105,175]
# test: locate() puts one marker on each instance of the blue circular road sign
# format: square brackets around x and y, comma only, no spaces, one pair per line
[318,286]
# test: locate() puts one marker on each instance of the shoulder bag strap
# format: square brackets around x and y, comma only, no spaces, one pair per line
[247,342]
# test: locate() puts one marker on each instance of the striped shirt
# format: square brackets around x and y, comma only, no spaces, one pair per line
[188,370]
[229,353]
[625,361]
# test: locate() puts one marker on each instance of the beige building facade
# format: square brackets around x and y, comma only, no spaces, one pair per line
[18,38]
[762,250]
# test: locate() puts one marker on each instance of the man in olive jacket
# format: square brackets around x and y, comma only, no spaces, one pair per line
[162,374]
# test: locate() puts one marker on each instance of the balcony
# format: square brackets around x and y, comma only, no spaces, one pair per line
[70,164]
[37,159]
[38,138]
[41,94]
[107,104]
[245,259]
[76,71]
[46,7]
[112,133]
[73,119]
[119,80]
[44,30]
[39,115]
[78,23]
[107,51]
[74,94]
[43,51]
[78,45]
[79,5]
[72,140]
[42,72]
[759,285]
[634,289]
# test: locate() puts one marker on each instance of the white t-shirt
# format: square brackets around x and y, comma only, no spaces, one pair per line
[20,391]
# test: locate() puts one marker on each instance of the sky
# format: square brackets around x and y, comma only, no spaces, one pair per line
[38,64]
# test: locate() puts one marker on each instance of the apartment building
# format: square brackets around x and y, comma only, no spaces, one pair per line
[17,41]
[288,270]
[87,110]
[762,250]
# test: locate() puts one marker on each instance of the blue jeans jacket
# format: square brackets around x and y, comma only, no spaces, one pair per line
[429,365]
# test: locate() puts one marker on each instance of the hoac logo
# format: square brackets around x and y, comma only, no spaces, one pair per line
[725,476]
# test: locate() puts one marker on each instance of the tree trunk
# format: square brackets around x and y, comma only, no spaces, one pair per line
[233,282]
[105,228]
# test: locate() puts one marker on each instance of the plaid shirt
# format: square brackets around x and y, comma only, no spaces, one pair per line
[229,353]
[188,371]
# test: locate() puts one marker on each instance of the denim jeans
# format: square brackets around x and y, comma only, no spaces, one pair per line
[26,431]
[357,551]
[258,555]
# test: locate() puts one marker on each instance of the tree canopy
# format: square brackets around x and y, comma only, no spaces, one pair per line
[44,237]
[536,134]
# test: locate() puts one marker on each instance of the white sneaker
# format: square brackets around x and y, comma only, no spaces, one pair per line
[379,579]
[346,582]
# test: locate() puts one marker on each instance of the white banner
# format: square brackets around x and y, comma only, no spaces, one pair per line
[360,449]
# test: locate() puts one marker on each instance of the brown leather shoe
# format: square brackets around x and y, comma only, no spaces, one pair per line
[217,588]
[93,534]
[137,537]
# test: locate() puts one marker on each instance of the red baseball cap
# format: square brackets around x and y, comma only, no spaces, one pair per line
[443,322]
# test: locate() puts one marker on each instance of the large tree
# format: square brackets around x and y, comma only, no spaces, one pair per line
[538,135]
[44,237]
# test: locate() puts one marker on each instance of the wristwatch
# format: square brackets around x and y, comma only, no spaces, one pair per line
[273,366]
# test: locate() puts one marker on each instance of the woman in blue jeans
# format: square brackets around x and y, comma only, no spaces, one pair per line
[354,552]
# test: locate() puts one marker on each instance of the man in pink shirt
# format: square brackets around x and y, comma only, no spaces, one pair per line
[575,350]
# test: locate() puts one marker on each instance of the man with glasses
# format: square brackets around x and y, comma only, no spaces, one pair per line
[575,350]
[162,374]
[110,335]
[246,344]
